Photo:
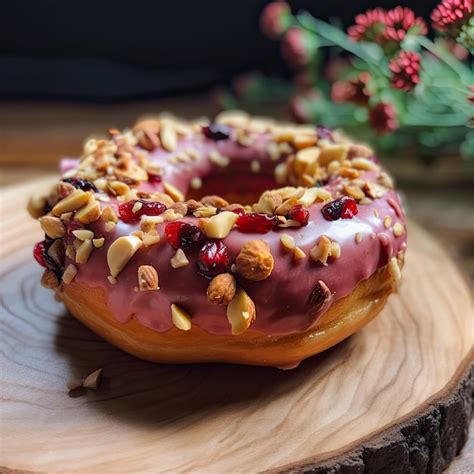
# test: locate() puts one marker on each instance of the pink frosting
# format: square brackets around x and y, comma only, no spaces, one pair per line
[282,299]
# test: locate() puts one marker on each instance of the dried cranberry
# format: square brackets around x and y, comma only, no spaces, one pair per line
[239,210]
[256,222]
[324,133]
[342,208]
[39,252]
[181,234]
[148,208]
[154,178]
[80,183]
[213,258]
[216,131]
[299,214]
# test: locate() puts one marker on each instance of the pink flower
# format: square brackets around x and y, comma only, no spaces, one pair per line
[400,22]
[450,15]
[295,48]
[274,19]
[383,117]
[369,26]
[300,105]
[354,90]
[405,70]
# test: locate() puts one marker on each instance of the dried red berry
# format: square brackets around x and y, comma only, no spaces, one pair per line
[213,258]
[154,178]
[38,253]
[149,208]
[216,131]
[256,222]
[181,234]
[80,183]
[342,208]
[299,214]
[239,210]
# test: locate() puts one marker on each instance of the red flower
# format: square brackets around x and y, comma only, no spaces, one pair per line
[369,26]
[450,15]
[354,90]
[295,48]
[274,19]
[405,70]
[400,22]
[383,117]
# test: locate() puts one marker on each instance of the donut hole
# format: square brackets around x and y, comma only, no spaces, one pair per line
[236,188]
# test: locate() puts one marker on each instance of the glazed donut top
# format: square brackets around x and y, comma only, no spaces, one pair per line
[320,215]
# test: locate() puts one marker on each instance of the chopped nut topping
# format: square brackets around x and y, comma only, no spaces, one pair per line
[364,164]
[255,166]
[219,226]
[168,137]
[179,259]
[108,215]
[358,237]
[120,253]
[215,201]
[398,229]
[83,234]
[109,226]
[219,160]
[333,152]
[83,251]
[354,191]
[221,289]
[287,241]
[180,318]
[240,312]
[69,274]
[136,207]
[36,205]
[72,202]
[298,253]
[196,183]
[52,226]
[205,211]
[268,202]
[325,249]
[147,278]
[255,261]
[173,192]
[98,243]
[88,213]
[387,222]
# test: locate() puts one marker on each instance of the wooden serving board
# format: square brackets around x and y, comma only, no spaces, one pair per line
[394,397]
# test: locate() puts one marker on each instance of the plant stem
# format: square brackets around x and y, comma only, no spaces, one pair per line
[446,57]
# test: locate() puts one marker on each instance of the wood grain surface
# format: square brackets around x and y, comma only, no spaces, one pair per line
[216,418]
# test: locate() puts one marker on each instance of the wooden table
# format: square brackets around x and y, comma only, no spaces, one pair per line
[34,136]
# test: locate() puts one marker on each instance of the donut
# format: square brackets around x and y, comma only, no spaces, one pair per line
[241,240]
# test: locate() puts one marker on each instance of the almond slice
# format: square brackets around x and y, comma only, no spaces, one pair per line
[83,234]
[219,226]
[74,201]
[180,318]
[173,192]
[240,312]
[120,253]
[52,226]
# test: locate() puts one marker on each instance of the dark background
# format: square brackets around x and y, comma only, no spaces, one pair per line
[107,50]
